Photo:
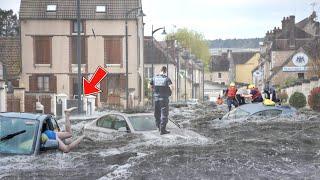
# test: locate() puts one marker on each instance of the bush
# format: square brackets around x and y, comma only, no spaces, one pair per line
[314,99]
[283,97]
[298,100]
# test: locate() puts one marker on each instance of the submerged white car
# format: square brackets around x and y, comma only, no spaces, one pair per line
[129,123]
[113,125]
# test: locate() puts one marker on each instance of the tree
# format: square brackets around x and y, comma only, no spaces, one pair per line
[9,24]
[195,42]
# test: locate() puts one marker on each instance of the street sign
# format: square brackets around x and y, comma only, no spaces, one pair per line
[295,69]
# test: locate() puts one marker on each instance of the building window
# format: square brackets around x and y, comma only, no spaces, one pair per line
[113,85]
[42,47]
[74,50]
[113,50]
[43,83]
[219,75]
[300,75]
[148,72]
[100,9]
[75,27]
[51,8]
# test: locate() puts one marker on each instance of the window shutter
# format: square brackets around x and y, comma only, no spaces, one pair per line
[107,50]
[113,50]
[53,84]
[43,50]
[33,86]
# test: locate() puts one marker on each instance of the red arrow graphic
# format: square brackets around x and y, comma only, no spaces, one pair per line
[90,87]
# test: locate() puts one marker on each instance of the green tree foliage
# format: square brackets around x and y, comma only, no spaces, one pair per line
[194,41]
[298,100]
[9,24]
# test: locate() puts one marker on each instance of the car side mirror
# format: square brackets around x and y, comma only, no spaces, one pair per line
[122,129]
[49,145]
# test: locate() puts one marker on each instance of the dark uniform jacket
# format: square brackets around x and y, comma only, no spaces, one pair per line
[160,84]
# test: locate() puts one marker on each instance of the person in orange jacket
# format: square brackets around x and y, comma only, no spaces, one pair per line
[219,100]
[231,96]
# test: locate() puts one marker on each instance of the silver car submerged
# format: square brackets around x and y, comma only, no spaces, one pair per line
[258,110]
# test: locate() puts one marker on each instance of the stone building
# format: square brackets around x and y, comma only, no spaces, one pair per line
[284,52]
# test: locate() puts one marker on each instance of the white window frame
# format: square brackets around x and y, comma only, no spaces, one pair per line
[51,8]
[101,9]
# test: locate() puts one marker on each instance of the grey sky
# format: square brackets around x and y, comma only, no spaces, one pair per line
[216,18]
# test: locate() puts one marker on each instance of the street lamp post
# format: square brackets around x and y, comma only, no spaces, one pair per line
[186,62]
[127,50]
[192,89]
[152,50]
[178,73]
[79,58]
[203,82]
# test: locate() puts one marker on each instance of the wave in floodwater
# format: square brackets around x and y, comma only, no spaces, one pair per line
[278,148]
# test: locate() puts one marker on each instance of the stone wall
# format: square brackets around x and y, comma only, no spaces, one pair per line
[305,87]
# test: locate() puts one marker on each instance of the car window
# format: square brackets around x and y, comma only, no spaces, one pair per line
[112,122]
[143,123]
[119,122]
[241,113]
[55,124]
[24,140]
[105,122]
[273,113]
[267,113]
[236,114]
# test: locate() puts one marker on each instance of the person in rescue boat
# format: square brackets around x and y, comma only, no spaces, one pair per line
[255,94]
[230,93]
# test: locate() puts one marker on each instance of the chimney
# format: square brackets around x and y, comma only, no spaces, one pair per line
[292,29]
[284,24]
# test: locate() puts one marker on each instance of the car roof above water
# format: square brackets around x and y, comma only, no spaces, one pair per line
[28,116]
[256,107]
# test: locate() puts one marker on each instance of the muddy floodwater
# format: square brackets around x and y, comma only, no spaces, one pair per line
[282,148]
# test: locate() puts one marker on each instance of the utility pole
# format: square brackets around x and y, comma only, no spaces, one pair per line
[79,59]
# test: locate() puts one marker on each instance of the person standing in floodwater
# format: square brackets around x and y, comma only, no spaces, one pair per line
[161,86]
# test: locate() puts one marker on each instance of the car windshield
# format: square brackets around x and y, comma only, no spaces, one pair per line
[17,135]
[236,114]
[143,123]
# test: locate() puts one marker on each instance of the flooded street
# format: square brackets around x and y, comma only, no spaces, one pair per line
[263,149]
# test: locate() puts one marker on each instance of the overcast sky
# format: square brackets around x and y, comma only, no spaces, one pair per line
[216,18]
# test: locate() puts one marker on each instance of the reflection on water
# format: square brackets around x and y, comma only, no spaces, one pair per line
[287,148]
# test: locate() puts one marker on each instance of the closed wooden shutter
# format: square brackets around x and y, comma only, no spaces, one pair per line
[53,84]
[43,50]
[33,86]
[113,50]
